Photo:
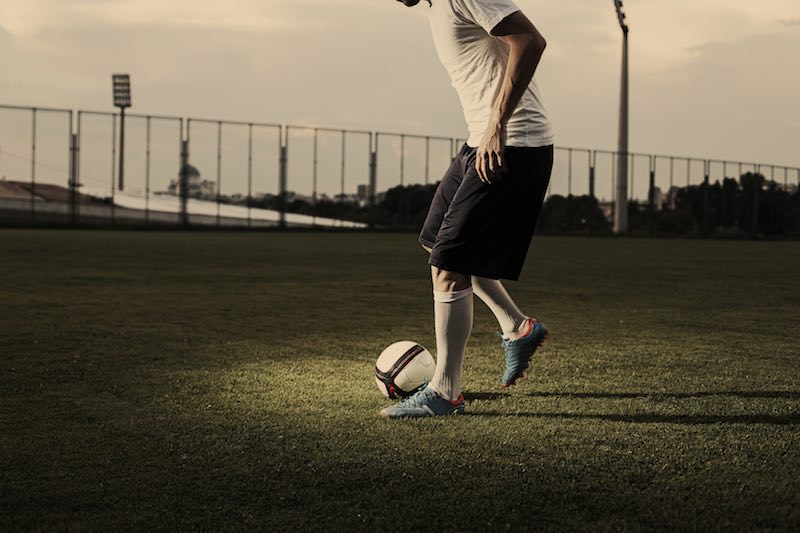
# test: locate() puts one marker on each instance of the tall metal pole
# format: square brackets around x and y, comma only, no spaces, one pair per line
[121,85]
[122,149]
[621,208]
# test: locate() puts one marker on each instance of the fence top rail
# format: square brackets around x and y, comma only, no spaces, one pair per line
[724,161]
[233,122]
[690,159]
[573,149]
[129,115]
[698,159]
[761,165]
[36,108]
[415,136]
[327,129]
[687,159]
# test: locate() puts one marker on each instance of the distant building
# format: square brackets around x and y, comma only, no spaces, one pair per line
[608,210]
[363,192]
[659,199]
[350,198]
[198,187]
[672,197]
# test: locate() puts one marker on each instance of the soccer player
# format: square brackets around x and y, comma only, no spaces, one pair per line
[482,218]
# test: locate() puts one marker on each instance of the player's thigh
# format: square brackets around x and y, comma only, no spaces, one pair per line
[491,213]
[442,198]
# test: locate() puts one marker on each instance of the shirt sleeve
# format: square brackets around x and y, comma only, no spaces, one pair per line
[486,13]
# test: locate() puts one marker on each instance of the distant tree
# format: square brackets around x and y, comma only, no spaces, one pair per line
[573,214]
[407,206]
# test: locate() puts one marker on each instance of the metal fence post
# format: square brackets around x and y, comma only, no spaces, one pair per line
[592,167]
[569,172]
[219,169]
[344,159]
[113,168]
[688,170]
[314,178]
[797,192]
[147,173]
[651,196]
[723,218]
[184,181]
[427,159]
[373,178]
[282,176]
[771,198]
[249,174]
[706,184]
[402,159]
[756,194]
[78,164]
[73,178]
[33,166]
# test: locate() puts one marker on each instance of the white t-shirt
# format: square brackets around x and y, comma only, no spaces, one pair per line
[476,63]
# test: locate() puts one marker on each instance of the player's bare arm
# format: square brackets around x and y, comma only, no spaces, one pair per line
[526,46]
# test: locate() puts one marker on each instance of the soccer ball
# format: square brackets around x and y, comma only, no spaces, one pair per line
[403,368]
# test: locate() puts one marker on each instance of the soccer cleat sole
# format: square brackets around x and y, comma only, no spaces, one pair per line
[409,417]
[521,374]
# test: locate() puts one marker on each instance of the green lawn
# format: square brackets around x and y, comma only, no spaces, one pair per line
[223,381]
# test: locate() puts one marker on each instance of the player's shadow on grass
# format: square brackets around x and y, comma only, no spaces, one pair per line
[792,419]
[768,395]
[484,395]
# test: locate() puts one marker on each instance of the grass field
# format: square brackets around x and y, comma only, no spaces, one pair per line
[216,381]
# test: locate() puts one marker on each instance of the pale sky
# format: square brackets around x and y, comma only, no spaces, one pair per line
[710,78]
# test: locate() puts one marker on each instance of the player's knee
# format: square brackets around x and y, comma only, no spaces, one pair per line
[447,281]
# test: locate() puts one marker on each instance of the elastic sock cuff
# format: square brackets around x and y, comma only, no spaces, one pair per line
[450,297]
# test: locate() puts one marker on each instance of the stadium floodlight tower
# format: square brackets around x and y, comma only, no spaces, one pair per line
[621,207]
[122,99]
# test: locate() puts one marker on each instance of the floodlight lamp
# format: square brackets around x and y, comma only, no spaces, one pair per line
[121,84]
[621,16]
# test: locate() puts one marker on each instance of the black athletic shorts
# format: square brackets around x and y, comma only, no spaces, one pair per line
[486,229]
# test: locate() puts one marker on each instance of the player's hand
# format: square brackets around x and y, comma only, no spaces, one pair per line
[489,156]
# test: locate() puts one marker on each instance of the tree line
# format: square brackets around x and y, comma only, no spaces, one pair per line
[750,206]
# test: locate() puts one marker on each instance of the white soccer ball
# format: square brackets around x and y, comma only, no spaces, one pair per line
[403,368]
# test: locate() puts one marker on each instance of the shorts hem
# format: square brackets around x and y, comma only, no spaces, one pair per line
[425,243]
[470,271]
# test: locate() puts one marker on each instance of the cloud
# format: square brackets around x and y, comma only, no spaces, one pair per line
[28,17]
[701,69]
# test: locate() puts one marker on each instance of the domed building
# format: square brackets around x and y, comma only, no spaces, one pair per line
[198,187]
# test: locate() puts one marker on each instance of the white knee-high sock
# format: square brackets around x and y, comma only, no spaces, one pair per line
[452,312]
[494,295]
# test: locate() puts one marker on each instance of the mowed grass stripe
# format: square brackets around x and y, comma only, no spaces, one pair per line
[224,381]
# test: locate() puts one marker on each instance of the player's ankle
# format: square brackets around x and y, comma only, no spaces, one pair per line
[450,396]
[523,330]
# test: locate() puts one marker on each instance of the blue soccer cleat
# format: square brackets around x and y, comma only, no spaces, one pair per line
[424,403]
[518,353]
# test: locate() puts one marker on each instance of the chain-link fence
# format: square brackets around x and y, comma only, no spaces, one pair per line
[61,167]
